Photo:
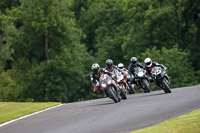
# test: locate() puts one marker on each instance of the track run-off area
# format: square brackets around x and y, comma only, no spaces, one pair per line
[140,110]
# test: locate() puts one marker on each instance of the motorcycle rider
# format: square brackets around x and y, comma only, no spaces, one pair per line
[95,76]
[121,67]
[149,65]
[111,68]
[123,70]
[132,67]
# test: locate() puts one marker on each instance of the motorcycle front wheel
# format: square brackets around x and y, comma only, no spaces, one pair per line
[112,94]
[145,86]
[130,89]
[166,86]
[122,92]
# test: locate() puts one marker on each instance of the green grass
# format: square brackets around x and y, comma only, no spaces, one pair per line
[13,110]
[189,123]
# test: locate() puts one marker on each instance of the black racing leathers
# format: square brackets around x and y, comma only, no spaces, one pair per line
[131,71]
[95,76]
[132,67]
[149,69]
[113,70]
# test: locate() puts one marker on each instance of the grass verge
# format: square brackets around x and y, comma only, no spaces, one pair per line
[14,110]
[189,123]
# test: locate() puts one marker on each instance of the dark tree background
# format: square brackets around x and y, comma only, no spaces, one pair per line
[47,47]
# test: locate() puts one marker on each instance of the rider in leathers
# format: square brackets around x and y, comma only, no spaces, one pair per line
[132,67]
[149,65]
[95,75]
[112,69]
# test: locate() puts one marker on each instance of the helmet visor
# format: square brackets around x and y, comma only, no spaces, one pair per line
[133,62]
[95,70]
[148,63]
[120,67]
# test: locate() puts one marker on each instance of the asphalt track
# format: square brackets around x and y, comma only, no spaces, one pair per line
[104,116]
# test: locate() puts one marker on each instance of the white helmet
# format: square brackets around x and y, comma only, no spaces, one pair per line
[120,66]
[148,62]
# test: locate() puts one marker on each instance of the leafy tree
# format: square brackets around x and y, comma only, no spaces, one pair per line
[47,46]
[100,22]
[176,60]
[8,4]
[9,89]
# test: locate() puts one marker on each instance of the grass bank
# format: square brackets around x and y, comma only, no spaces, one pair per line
[13,110]
[189,123]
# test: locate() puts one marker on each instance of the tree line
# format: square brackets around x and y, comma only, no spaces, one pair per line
[47,47]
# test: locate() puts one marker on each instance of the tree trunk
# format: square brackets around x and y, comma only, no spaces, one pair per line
[198,30]
[1,41]
[46,46]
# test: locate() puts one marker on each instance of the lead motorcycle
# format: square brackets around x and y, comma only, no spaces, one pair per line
[106,84]
[141,79]
[161,79]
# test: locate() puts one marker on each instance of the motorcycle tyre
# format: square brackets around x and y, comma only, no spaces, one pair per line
[145,85]
[166,87]
[123,94]
[131,90]
[112,95]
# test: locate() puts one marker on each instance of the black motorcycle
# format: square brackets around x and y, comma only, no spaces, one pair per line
[161,79]
[106,84]
[141,79]
[130,87]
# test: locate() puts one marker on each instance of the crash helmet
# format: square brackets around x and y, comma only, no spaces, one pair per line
[109,63]
[148,62]
[133,60]
[95,68]
[120,66]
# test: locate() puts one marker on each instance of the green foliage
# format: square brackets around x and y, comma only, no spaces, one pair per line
[47,47]
[9,89]
[8,4]
[176,60]
[62,79]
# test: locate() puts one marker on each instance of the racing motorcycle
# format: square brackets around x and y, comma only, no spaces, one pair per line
[130,86]
[122,85]
[106,84]
[141,79]
[161,79]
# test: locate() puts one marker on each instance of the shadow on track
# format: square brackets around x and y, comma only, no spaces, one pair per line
[149,95]
[101,104]
[146,95]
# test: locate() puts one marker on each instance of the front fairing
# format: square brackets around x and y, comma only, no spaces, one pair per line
[157,73]
[105,81]
[140,73]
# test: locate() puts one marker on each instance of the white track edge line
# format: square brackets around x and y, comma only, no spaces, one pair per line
[6,123]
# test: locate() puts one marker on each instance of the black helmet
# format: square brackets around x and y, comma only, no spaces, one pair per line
[109,63]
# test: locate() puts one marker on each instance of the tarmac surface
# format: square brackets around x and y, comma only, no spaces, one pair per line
[104,116]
